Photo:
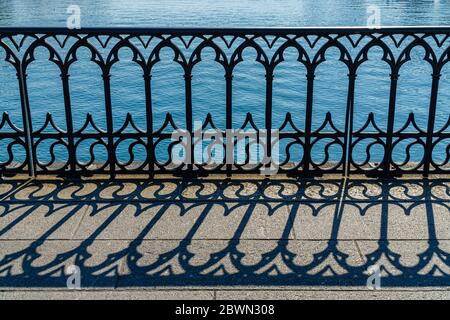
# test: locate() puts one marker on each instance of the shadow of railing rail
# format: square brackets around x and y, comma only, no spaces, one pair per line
[174,232]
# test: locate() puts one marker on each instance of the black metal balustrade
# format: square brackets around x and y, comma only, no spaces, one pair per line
[20,44]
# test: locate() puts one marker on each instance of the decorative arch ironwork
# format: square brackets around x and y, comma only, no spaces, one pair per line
[353,44]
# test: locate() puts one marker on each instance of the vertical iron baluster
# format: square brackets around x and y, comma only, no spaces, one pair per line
[308,121]
[109,123]
[149,119]
[431,120]
[348,135]
[69,122]
[268,113]
[229,148]
[26,119]
[390,125]
[189,126]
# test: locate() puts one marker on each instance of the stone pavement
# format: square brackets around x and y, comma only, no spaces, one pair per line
[217,238]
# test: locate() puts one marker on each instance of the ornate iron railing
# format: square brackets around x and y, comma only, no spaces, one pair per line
[20,141]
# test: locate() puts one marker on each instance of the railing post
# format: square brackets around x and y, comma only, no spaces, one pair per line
[26,119]
[109,123]
[349,122]
[268,115]
[229,148]
[189,122]
[69,123]
[308,121]
[149,120]
[431,120]
[390,125]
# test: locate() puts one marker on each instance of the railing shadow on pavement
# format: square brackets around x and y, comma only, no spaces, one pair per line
[141,259]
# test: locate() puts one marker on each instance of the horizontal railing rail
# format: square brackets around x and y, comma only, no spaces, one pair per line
[307,146]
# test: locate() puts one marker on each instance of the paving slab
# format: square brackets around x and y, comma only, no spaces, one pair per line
[125,221]
[332,295]
[241,221]
[34,221]
[46,263]
[109,295]
[33,190]
[180,220]
[440,190]
[235,262]
[419,221]
[409,263]
[209,293]
[373,221]
[6,188]
[307,253]
[314,221]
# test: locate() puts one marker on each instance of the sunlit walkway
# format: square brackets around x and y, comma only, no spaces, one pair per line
[217,238]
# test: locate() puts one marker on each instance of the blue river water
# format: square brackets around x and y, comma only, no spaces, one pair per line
[330,93]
